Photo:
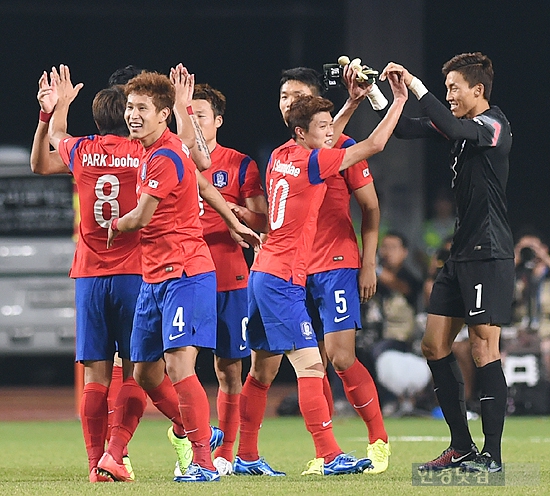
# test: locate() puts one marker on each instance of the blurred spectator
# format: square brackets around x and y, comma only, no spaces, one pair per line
[398,288]
[395,303]
[531,315]
[438,227]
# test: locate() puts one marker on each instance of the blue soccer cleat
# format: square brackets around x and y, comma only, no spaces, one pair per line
[257,467]
[196,473]
[216,438]
[346,464]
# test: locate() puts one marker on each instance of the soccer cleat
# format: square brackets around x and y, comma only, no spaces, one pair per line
[196,473]
[216,438]
[379,454]
[185,447]
[184,451]
[223,466]
[346,464]
[257,467]
[483,462]
[128,465]
[109,467]
[315,467]
[95,476]
[450,458]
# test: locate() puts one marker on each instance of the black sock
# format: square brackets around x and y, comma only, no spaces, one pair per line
[449,389]
[494,393]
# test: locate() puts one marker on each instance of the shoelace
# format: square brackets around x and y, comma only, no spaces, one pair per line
[379,452]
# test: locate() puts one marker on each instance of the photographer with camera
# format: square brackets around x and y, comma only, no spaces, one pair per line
[531,310]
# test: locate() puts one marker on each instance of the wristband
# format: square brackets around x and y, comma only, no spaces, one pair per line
[114,224]
[418,88]
[376,98]
[45,116]
[190,110]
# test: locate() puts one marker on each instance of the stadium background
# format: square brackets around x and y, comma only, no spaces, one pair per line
[241,47]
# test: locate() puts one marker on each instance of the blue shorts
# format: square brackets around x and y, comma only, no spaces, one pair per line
[232,341]
[174,314]
[333,301]
[104,313]
[277,317]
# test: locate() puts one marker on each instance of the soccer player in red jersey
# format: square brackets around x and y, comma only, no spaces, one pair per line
[237,178]
[175,312]
[107,282]
[278,319]
[339,277]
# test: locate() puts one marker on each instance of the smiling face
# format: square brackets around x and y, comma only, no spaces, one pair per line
[464,101]
[208,122]
[289,92]
[320,132]
[143,120]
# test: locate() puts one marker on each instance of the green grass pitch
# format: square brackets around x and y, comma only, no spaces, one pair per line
[43,458]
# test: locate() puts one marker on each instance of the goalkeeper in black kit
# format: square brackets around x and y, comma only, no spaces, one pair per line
[476,285]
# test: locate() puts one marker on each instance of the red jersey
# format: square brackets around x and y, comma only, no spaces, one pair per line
[105,171]
[335,245]
[172,243]
[236,176]
[296,188]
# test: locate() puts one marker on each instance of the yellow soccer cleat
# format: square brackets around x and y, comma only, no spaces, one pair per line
[315,467]
[379,453]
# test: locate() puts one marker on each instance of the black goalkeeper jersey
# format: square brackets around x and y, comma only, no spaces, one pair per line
[479,166]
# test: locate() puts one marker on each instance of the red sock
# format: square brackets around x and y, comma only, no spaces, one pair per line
[114,389]
[314,409]
[228,420]
[129,407]
[327,391]
[252,409]
[165,399]
[93,415]
[362,394]
[195,413]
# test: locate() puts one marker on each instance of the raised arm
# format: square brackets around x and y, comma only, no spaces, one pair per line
[241,234]
[44,161]
[438,117]
[66,93]
[187,125]
[357,92]
[377,140]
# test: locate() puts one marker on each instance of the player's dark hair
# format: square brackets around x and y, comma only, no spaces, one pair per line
[401,237]
[123,75]
[310,77]
[155,85]
[215,98]
[302,110]
[108,111]
[475,68]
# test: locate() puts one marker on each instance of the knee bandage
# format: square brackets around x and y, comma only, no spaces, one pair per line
[307,362]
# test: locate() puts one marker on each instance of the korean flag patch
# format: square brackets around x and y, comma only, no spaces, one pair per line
[307,330]
[220,179]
